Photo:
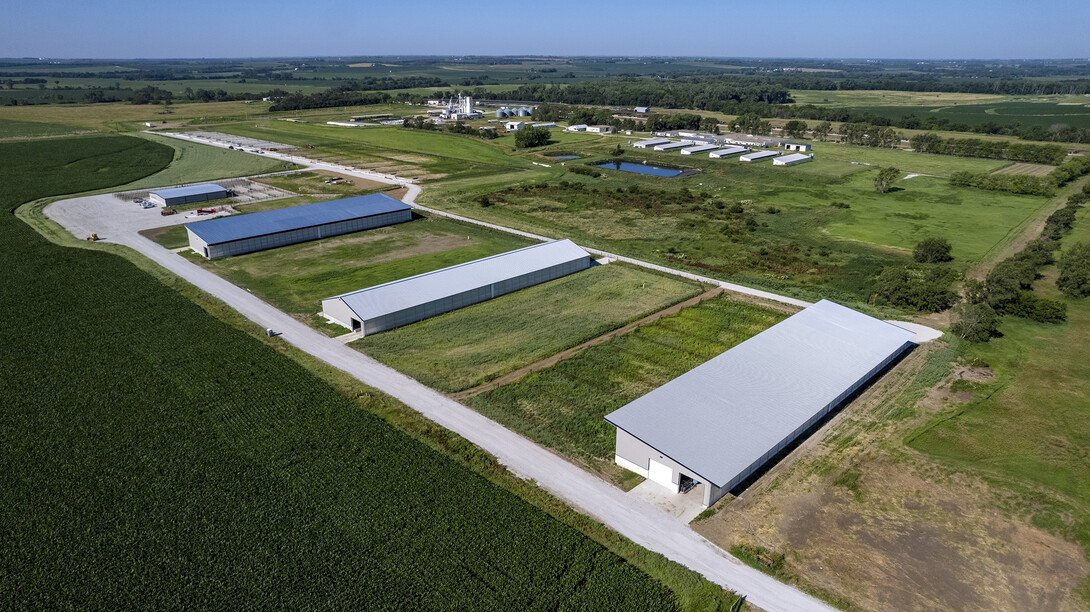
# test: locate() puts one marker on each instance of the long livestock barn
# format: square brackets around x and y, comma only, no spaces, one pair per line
[650,142]
[412,299]
[275,228]
[758,155]
[719,423]
[187,195]
[791,160]
[727,152]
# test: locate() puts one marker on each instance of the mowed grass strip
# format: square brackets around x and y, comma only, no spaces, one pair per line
[462,349]
[297,277]
[563,406]
[155,457]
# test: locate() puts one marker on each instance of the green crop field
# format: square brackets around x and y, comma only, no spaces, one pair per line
[562,406]
[1044,114]
[10,128]
[297,277]
[156,457]
[756,224]
[462,349]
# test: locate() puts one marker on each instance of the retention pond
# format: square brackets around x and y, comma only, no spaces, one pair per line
[640,168]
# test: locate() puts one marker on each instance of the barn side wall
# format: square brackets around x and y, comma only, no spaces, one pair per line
[272,241]
[472,296]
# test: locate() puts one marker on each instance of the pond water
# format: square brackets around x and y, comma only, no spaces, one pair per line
[639,168]
[565,157]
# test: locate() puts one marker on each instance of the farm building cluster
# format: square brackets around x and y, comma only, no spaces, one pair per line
[749,148]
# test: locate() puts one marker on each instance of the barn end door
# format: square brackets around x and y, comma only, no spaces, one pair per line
[662,474]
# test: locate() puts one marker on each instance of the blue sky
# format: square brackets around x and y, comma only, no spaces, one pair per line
[926,29]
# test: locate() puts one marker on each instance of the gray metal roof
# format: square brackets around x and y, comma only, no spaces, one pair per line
[794,157]
[721,417]
[758,155]
[423,288]
[728,151]
[190,190]
[227,229]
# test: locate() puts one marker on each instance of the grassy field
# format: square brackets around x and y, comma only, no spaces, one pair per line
[155,467]
[427,155]
[462,349]
[296,278]
[562,406]
[1040,390]
[976,222]
[787,235]
[172,237]
[196,162]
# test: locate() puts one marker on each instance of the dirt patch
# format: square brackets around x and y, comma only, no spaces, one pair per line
[974,373]
[1026,169]
[361,65]
[904,532]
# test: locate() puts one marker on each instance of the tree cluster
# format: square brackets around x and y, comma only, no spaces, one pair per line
[869,135]
[529,137]
[989,149]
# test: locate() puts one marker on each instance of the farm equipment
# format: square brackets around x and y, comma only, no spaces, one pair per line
[206,211]
[94,238]
[166,212]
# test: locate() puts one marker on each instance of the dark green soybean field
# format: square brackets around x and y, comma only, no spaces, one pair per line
[152,456]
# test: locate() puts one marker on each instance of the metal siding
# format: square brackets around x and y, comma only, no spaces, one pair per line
[295,218]
[381,300]
[272,241]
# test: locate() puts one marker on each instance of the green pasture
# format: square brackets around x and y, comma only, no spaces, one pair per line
[470,346]
[194,162]
[297,277]
[756,223]
[976,222]
[562,406]
[434,152]
[154,454]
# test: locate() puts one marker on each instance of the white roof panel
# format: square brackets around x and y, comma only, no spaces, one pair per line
[794,157]
[423,288]
[758,155]
[723,416]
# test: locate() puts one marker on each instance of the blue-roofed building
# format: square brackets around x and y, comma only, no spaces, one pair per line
[415,298]
[188,195]
[718,424]
[275,228]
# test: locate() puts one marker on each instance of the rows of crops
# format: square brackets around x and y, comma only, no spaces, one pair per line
[152,456]
[562,406]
